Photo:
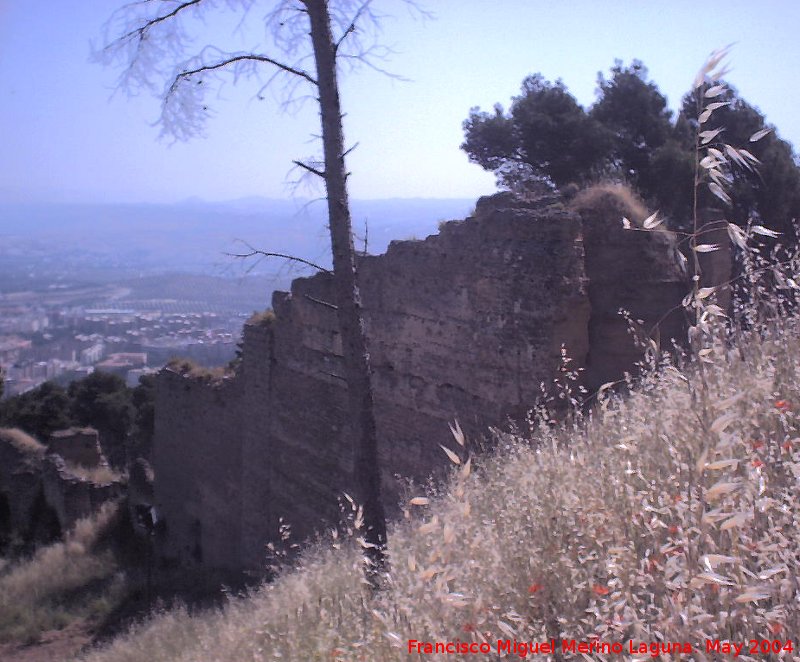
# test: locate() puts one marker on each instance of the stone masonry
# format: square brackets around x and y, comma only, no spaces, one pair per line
[77,445]
[463,325]
[46,489]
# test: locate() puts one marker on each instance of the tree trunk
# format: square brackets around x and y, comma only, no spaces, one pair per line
[367,475]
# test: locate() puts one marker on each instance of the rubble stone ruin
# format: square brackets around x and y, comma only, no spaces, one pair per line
[46,488]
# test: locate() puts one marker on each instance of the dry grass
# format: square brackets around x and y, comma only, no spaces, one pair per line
[599,197]
[262,318]
[99,475]
[188,368]
[671,516]
[61,583]
[23,442]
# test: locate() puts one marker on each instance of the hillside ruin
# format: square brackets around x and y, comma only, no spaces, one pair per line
[45,488]
[463,325]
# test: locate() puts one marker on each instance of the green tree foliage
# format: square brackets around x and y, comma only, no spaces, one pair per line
[669,182]
[546,135]
[628,134]
[101,400]
[39,412]
[645,146]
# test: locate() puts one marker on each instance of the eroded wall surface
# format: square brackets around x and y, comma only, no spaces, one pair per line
[42,487]
[77,445]
[463,325]
[20,481]
[632,270]
[70,496]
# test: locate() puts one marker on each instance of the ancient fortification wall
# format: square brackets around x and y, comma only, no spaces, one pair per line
[463,325]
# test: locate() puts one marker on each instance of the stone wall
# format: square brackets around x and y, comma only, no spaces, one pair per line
[41,493]
[21,458]
[73,497]
[632,270]
[463,325]
[199,466]
[77,445]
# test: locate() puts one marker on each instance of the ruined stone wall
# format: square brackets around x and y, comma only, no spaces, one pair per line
[73,497]
[77,445]
[463,325]
[459,327]
[632,270]
[198,455]
[21,459]
[46,493]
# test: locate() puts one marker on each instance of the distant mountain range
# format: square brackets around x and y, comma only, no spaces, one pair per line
[197,236]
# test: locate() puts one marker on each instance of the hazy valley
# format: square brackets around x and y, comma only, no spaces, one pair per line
[158,281]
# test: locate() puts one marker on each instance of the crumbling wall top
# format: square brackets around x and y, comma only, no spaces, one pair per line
[79,446]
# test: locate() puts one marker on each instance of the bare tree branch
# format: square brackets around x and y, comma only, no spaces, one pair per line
[321,302]
[152,49]
[244,57]
[306,180]
[141,31]
[142,54]
[311,169]
[253,252]
[348,150]
[352,27]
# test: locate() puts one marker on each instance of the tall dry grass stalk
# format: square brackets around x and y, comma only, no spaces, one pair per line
[715,162]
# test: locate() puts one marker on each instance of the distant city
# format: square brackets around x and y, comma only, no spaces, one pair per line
[125,288]
[41,340]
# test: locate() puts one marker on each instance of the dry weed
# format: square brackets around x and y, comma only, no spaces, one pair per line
[600,196]
[61,583]
[99,475]
[22,441]
[672,517]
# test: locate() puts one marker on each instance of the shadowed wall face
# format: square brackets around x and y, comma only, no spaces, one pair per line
[636,271]
[463,325]
[44,490]
[77,445]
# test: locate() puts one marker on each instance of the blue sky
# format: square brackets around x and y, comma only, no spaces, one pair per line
[64,137]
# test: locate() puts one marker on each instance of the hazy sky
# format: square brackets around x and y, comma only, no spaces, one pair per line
[63,137]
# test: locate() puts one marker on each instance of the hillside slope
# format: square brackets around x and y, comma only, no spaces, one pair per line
[670,516]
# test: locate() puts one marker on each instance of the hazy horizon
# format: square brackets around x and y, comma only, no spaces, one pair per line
[255,198]
[198,236]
